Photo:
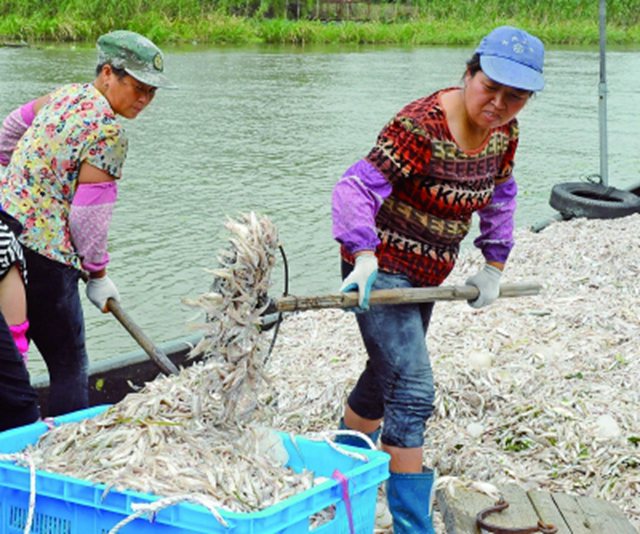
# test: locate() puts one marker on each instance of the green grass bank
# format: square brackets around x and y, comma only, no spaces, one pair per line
[417,22]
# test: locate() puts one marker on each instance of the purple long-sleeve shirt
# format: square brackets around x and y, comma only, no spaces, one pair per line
[357,197]
[360,192]
[497,223]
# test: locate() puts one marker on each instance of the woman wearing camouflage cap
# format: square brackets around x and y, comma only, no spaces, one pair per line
[63,154]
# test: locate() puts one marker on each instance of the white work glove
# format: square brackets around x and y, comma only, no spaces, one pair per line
[362,278]
[101,289]
[487,280]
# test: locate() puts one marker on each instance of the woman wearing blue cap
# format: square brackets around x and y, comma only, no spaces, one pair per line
[400,214]
[63,154]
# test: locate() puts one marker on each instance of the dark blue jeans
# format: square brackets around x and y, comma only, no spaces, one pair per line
[397,383]
[56,325]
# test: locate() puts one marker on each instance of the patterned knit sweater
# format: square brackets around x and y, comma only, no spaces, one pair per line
[411,199]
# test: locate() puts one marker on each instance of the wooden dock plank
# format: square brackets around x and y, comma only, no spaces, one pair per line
[520,512]
[459,511]
[570,514]
[545,506]
[586,515]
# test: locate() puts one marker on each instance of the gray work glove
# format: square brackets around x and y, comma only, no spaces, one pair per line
[362,278]
[487,280]
[99,290]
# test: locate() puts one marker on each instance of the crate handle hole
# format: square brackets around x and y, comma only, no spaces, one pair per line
[322,517]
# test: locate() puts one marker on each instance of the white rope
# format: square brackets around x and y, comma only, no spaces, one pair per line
[140,509]
[329,437]
[21,459]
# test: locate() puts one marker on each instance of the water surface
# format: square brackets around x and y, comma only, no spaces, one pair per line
[271,130]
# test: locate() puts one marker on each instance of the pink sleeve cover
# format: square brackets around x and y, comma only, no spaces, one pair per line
[89,220]
[13,127]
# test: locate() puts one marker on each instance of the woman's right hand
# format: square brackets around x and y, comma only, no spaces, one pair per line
[362,278]
[99,290]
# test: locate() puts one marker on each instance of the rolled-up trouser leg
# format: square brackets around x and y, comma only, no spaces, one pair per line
[397,383]
[397,386]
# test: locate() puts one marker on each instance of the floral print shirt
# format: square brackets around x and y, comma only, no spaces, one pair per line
[77,125]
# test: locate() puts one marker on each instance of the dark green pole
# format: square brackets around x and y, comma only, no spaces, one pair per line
[602,93]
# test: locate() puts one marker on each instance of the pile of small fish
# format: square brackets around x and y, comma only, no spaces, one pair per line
[190,433]
[542,391]
[232,344]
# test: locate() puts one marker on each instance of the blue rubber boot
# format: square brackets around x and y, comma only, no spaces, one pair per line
[355,441]
[410,497]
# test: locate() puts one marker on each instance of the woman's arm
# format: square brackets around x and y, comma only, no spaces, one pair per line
[39,102]
[356,199]
[14,126]
[497,218]
[497,223]
[89,221]
[90,217]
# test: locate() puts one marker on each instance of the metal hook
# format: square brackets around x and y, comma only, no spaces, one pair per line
[543,528]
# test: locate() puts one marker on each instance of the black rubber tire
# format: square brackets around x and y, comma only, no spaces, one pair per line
[593,201]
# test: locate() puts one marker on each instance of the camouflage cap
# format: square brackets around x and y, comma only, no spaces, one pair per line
[134,53]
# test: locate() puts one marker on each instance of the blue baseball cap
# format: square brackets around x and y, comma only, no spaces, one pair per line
[512,57]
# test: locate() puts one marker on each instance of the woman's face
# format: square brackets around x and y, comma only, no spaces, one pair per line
[490,104]
[127,96]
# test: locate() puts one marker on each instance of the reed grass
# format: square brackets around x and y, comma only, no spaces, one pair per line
[416,22]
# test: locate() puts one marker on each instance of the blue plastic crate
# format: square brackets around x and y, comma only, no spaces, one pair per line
[66,505]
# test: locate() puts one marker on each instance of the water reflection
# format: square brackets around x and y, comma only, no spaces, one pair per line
[271,129]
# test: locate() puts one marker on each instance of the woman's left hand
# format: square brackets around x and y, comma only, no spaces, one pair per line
[487,280]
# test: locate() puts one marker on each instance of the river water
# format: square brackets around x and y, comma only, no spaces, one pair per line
[271,129]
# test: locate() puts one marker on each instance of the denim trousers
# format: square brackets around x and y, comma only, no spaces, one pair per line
[397,382]
[56,326]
